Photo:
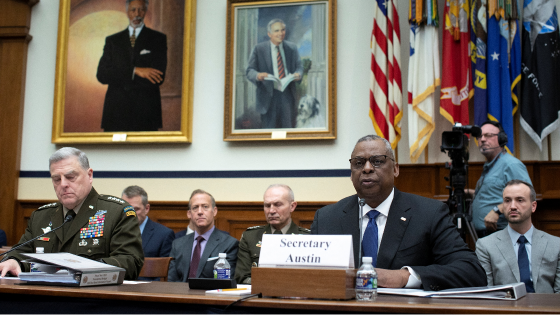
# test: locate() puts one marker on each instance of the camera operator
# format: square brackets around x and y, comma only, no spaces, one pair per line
[500,168]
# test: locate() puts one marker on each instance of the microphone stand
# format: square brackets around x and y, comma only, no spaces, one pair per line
[362,203]
[66,220]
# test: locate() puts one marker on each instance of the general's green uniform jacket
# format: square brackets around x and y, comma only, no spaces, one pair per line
[105,228]
[250,249]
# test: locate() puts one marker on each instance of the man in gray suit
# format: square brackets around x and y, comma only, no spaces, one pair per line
[279,59]
[521,253]
[411,239]
[195,254]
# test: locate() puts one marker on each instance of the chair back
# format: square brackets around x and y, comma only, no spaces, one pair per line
[4,249]
[156,267]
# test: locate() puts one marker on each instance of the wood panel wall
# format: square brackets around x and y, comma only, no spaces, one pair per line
[15,20]
[426,180]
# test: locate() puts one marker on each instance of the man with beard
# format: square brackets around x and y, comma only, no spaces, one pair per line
[521,253]
[500,168]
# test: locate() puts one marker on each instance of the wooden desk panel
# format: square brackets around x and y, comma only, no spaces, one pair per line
[172,297]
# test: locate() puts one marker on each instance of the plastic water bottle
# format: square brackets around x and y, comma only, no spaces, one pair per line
[366,281]
[222,268]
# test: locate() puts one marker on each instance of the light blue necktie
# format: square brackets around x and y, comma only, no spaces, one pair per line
[523,261]
[370,240]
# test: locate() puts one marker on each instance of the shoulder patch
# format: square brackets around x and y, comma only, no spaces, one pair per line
[129,210]
[111,198]
[256,227]
[48,205]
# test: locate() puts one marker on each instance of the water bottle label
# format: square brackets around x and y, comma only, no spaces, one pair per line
[221,274]
[366,283]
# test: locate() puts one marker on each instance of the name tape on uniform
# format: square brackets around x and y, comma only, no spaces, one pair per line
[307,250]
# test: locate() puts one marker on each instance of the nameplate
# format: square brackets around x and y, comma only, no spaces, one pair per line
[307,250]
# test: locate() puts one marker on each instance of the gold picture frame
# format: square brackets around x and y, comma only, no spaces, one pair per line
[78,99]
[305,109]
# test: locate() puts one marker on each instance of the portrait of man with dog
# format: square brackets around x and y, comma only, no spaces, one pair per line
[282,69]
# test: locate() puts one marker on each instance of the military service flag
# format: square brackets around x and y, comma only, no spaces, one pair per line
[540,81]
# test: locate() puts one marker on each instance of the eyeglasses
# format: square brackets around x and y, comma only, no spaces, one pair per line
[487,135]
[359,163]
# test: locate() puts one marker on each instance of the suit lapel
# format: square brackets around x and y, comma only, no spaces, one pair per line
[394,230]
[268,57]
[538,248]
[213,242]
[88,209]
[189,239]
[349,222]
[506,249]
[56,220]
[148,233]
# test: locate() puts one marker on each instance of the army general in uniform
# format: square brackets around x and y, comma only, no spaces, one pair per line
[103,228]
[278,206]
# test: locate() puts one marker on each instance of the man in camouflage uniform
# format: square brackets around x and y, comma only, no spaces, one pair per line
[278,207]
[104,228]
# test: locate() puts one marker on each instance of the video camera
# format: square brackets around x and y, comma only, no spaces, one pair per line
[456,144]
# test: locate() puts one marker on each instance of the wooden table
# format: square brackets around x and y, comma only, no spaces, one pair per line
[167,297]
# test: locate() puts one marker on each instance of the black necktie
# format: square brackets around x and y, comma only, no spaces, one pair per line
[68,224]
[195,259]
[277,232]
[523,261]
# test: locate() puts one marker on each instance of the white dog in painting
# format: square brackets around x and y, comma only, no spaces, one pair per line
[309,113]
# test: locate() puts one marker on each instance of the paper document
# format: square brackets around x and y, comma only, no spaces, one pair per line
[280,84]
[512,291]
[242,289]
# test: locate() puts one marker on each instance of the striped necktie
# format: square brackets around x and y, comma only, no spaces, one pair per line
[281,73]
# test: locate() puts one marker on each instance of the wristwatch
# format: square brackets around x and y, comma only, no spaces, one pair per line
[496,209]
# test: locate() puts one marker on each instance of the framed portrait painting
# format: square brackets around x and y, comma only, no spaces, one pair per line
[280,70]
[124,71]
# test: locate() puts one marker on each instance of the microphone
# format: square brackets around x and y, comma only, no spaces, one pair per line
[362,203]
[69,217]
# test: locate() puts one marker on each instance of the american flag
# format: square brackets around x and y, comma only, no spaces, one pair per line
[385,97]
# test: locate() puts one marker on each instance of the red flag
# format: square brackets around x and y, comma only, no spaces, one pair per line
[455,84]
[385,83]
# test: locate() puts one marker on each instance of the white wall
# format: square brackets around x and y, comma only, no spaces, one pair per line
[208,151]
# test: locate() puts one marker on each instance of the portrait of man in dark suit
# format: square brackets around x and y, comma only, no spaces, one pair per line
[275,59]
[133,66]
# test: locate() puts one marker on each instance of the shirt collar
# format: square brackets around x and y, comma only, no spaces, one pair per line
[514,235]
[285,229]
[65,210]
[143,225]
[383,207]
[273,47]
[205,235]
[138,30]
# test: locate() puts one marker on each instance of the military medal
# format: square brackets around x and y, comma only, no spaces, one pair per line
[82,243]
[95,226]
[47,229]
[95,241]
[259,244]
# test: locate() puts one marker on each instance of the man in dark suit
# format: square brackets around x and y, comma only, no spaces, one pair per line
[195,254]
[520,252]
[156,238]
[133,65]
[280,59]
[411,239]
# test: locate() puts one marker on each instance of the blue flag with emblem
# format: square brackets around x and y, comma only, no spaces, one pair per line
[500,104]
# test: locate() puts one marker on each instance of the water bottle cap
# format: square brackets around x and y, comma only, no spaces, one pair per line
[222,255]
[366,260]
